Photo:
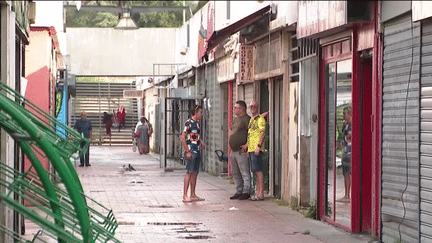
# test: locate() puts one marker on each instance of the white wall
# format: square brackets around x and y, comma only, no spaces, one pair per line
[108,51]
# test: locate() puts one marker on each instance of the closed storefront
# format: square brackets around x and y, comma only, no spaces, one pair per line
[344,151]
[400,123]
[426,133]
[213,120]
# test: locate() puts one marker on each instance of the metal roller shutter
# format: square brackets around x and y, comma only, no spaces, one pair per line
[400,125]
[213,122]
[426,134]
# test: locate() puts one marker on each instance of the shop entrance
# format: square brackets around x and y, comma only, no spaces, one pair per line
[345,128]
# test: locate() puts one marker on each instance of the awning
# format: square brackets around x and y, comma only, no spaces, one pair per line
[220,35]
[187,72]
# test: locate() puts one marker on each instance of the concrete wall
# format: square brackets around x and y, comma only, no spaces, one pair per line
[40,63]
[38,52]
[107,51]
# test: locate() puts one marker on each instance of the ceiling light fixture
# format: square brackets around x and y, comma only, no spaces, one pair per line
[126,22]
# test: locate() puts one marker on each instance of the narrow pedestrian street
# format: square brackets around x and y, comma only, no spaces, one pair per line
[148,205]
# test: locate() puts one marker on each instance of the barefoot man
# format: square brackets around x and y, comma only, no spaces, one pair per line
[192,144]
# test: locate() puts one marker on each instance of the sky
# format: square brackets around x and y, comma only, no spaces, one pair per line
[50,13]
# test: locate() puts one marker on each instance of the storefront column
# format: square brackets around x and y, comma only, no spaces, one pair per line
[356,129]
[230,119]
[376,124]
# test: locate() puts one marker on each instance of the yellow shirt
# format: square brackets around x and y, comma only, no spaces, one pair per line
[256,126]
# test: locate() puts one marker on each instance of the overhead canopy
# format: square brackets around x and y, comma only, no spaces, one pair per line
[220,35]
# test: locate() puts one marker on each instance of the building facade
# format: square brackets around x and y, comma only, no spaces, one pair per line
[14,35]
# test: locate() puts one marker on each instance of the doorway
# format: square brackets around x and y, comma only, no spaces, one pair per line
[338,77]
[264,107]
[277,111]
[346,152]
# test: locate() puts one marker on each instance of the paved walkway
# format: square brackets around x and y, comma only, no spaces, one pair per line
[148,206]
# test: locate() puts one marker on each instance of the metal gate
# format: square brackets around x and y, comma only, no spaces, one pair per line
[96,98]
[400,126]
[426,134]
[177,111]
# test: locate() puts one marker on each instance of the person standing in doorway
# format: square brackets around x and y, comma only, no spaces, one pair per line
[192,144]
[255,147]
[84,127]
[346,156]
[240,167]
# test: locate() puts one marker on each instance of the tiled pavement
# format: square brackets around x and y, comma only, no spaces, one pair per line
[148,206]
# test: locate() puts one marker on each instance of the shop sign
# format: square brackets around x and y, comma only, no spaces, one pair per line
[318,16]
[132,93]
[58,102]
[421,10]
[225,69]
[246,70]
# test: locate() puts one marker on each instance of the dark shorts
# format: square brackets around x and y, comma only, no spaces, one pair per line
[256,162]
[193,165]
[346,164]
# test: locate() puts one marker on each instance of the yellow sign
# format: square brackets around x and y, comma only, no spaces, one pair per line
[59,99]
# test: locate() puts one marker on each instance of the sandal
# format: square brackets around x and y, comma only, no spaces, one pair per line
[255,198]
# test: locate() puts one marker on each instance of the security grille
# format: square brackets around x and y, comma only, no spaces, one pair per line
[177,111]
[400,126]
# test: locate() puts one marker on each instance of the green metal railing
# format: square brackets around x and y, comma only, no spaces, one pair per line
[66,214]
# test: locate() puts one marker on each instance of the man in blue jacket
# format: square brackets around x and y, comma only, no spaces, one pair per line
[84,127]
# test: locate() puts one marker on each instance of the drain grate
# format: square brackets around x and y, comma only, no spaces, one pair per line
[138,182]
[161,206]
[173,223]
[193,231]
[195,237]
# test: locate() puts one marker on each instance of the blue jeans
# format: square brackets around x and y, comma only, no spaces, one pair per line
[256,162]
[240,169]
[193,165]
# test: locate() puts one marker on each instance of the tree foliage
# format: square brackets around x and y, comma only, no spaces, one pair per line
[167,19]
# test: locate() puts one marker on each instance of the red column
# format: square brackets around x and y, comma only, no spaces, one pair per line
[356,131]
[230,119]
[376,124]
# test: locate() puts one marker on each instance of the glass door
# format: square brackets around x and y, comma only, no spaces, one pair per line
[338,136]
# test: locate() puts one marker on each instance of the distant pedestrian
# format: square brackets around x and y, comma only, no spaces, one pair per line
[108,121]
[84,127]
[240,167]
[121,117]
[255,145]
[192,144]
[143,131]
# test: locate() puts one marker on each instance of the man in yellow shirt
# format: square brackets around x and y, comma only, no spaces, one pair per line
[255,142]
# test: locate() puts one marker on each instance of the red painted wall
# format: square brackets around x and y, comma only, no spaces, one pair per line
[37,92]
